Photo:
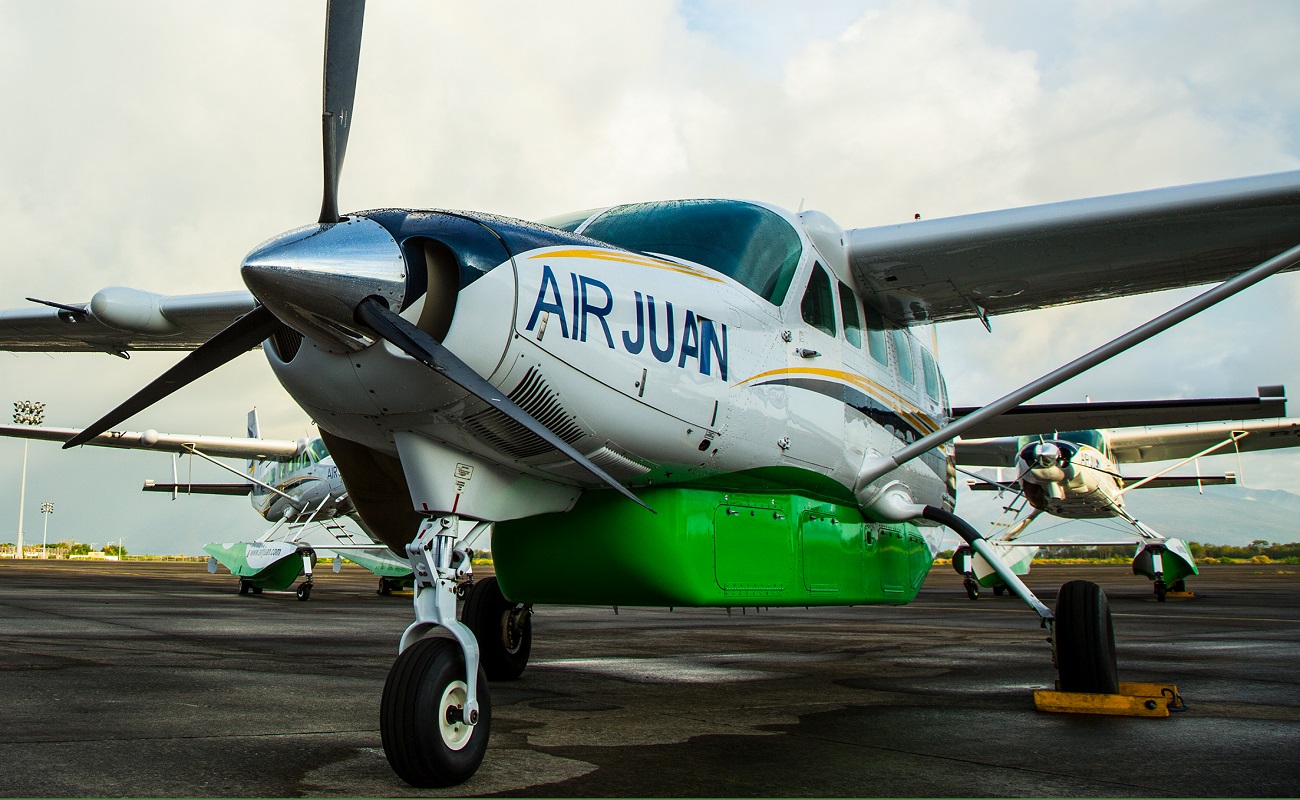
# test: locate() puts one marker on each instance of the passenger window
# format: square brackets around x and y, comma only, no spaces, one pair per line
[932,384]
[903,350]
[818,306]
[849,311]
[876,336]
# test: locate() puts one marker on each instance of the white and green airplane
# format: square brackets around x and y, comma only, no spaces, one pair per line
[724,398]
[293,484]
[1075,474]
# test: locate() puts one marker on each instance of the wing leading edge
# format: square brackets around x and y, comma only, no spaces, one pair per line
[1001,262]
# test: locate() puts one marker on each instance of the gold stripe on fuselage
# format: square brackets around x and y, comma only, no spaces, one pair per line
[895,401]
[631,258]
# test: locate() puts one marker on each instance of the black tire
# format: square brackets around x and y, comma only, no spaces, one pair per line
[257,590]
[244,586]
[385,588]
[304,591]
[998,591]
[414,709]
[504,630]
[1085,640]
[1178,586]
[972,588]
[1161,589]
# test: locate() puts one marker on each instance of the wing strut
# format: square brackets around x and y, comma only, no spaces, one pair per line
[878,467]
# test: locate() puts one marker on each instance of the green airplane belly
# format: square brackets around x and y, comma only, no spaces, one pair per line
[381,562]
[254,562]
[708,548]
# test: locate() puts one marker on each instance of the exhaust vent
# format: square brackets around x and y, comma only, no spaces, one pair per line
[542,404]
[285,342]
[619,466]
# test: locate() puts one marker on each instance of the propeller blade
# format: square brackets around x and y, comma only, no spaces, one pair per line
[238,337]
[342,52]
[376,315]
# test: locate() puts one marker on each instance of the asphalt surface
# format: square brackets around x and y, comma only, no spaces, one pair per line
[144,680]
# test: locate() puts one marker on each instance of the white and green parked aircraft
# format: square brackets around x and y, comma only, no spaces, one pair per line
[723,398]
[294,484]
[1075,474]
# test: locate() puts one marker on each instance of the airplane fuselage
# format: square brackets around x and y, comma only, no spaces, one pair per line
[663,372]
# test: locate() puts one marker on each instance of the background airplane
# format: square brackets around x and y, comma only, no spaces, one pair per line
[373,316]
[292,484]
[1076,474]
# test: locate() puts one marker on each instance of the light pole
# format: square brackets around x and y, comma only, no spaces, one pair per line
[26,412]
[46,510]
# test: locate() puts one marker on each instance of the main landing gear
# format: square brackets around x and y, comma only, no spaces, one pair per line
[436,713]
[504,629]
[1082,636]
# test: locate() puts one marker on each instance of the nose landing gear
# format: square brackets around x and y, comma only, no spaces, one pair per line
[436,714]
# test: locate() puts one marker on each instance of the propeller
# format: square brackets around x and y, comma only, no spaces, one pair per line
[237,338]
[376,315]
[342,53]
[336,289]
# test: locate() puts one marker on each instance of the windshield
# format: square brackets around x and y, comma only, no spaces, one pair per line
[1092,438]
[748,243]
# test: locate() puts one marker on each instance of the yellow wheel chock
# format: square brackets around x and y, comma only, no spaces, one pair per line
[1133,700]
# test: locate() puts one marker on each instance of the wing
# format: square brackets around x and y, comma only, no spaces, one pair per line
[234,489]
[1048,418]
[1001,262]
[118,320]
[255,449]
[1165,444]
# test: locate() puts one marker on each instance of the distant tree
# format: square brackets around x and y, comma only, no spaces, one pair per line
[78,549]
[1259,545]
[113,550]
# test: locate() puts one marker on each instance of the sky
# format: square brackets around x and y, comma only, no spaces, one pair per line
[153,144]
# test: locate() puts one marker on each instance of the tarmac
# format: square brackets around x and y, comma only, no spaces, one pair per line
[147,679]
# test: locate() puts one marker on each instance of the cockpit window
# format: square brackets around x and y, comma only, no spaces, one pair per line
[748,243]
[818,304]
[1092,438]
[318,449]
[569,222]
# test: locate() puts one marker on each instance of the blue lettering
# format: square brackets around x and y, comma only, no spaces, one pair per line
[599,312]
[690,340]
[710,345]
[636,346]
[574,280]
[665,355]
[557,307]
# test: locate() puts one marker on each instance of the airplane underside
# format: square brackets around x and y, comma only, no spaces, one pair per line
[708,547]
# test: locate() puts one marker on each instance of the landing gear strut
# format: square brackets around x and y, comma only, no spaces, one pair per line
[436,713]
[963,560]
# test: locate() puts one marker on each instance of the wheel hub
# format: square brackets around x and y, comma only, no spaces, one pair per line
[451,723]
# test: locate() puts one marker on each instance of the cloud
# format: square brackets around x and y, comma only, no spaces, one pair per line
[153,144]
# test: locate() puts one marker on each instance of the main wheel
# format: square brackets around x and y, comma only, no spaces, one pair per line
[257,590]
[998,591]
[972,588]
[504,630]
[244,586]
[304,590]
[1085,640]
[385,588]
[426,738]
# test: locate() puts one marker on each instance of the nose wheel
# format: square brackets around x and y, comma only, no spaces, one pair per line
[427,737]
[304,590]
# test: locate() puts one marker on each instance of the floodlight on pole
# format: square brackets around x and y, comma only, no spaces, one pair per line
[26,412]
[46,510]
